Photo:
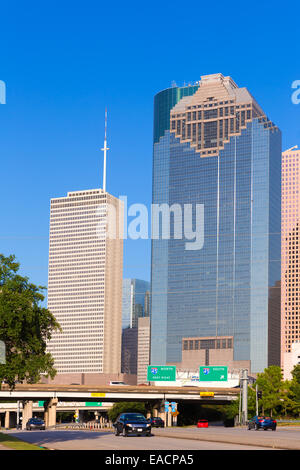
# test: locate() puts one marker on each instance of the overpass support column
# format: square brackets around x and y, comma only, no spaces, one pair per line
[27,412]
[6,420]
[158,408]
[50,412]
[161,412]
[169,419]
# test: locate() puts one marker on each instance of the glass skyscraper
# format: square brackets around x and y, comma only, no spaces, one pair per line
[135,294]
[135,305]
[214,147]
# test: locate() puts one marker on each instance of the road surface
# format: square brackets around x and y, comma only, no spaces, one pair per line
[106,440]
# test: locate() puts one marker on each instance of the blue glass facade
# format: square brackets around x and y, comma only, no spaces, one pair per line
[134,301]
[223,288]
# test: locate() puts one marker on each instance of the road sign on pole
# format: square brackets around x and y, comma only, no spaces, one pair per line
[213,374]
[161,373]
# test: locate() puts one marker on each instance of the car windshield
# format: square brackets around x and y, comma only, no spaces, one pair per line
[134,417]
[36,420]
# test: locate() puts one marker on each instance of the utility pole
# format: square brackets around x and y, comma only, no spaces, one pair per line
[240,404]
[244,396]
[18,414]
[256,398]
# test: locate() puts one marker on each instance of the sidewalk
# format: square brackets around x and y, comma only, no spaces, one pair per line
[251,438]
[4,447]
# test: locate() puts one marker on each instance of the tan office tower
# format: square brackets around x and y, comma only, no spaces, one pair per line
[143,360]
[85,282]
[290,269]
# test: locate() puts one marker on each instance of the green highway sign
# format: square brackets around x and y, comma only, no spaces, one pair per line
[213,374]
[161,373]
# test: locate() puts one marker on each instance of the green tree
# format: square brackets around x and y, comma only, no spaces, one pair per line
[271,384]
[233,409]
[25,327]
[287,403]
[296,374]
[126,407]
[294,390]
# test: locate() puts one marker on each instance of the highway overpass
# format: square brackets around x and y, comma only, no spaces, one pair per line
[118,393]
[51,395]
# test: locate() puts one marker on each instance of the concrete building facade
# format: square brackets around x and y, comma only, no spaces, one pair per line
[143,349]
[85,282]
[290,258]
[209,351]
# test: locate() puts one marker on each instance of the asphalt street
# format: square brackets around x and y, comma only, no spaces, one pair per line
[160,440]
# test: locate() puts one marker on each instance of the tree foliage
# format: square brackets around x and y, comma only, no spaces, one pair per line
[126,407]
[25,327]
[271,384]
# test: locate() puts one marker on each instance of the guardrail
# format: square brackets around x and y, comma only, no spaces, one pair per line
[288,421]
[89,426]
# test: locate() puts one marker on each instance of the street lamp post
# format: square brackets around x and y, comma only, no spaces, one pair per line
[244,396]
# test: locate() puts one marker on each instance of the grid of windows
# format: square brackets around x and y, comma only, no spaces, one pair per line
[82,267]
[208,122]
[290,249]
[212,343]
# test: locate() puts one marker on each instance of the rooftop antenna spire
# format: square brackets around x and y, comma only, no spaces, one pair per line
[104,149]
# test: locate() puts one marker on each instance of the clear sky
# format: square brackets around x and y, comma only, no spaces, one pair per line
[63,62]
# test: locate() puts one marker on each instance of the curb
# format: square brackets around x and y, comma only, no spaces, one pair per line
[276,443]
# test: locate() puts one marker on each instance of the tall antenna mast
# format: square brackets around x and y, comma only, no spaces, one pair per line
[105,148]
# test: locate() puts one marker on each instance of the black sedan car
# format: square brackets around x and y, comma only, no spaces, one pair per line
[157,422]
[35,423]
[262,422]
[132,423]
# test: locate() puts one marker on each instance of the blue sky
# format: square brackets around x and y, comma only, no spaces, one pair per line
[63,62]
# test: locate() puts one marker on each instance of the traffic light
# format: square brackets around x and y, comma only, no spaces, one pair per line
[259,394]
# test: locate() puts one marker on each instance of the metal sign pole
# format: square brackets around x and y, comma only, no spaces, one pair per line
[245,397]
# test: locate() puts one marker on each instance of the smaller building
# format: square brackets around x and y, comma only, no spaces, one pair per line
[209,351]
[143,349]
[135,305]
[129,350]
[291,359]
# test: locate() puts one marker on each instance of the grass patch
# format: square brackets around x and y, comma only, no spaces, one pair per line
[15,443]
